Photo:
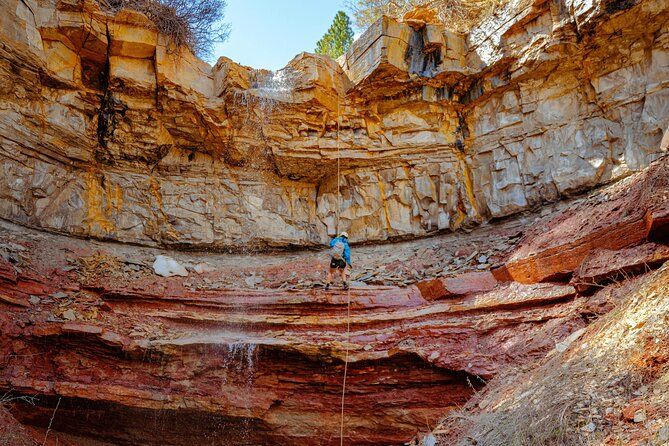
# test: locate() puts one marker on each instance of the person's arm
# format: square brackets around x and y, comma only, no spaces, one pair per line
[332,242]
[347,255]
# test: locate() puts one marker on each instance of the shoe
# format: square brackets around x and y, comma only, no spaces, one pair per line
[345,286]
[327,286]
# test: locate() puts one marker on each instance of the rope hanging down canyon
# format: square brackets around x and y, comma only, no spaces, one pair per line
[343,388]
[348,292]
[338,172]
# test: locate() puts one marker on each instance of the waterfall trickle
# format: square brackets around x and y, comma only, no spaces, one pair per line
[269,89]
[255,111]
[240,361]
[277,85]
[239,364]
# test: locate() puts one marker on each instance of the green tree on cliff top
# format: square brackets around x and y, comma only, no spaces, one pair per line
[338,39]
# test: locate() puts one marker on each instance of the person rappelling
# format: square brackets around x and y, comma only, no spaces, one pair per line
[340,260]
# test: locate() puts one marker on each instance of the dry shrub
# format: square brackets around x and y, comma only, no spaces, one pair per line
[99,265]
[12,433]
[457,15]
[195,23]
[565,400]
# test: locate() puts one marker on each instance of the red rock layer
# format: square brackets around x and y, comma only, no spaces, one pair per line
[139,359]
[263,367]
[626,215]
[12,432]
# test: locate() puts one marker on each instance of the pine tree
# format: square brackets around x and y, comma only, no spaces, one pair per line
[339,37]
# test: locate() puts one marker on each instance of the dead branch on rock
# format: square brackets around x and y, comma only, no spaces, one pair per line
[53,415]
[8,397]
[194,23]
[457,15]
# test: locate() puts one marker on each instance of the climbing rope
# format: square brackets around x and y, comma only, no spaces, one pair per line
[348,292]
[338,171]
[343,388]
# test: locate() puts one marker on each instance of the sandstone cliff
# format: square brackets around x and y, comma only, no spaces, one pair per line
[107,132]
[108,135]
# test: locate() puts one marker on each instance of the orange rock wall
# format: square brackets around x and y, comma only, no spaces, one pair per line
[107,132]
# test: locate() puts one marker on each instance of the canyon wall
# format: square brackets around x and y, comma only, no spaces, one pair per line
[107,131]
[242,352]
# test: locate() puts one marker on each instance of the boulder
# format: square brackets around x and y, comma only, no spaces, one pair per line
[168,267]
[468,283]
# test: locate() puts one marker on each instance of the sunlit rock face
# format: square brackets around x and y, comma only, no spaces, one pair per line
[107,131]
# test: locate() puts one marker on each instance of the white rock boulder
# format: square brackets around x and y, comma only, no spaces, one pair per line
[168,267]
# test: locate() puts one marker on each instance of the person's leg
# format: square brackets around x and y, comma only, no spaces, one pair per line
[328,280]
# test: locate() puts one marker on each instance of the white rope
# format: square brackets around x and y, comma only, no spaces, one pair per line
[338,170]
[53,415]
[348,293]
[343,388]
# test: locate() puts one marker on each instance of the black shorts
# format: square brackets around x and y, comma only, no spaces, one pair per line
[337,263]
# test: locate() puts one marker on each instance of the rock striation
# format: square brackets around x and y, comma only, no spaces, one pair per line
[167,360]
[108,132]
[606,383]
[122,156]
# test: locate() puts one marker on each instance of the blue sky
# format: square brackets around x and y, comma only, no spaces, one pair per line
[269,33]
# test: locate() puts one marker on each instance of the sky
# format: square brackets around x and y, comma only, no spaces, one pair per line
[269,33]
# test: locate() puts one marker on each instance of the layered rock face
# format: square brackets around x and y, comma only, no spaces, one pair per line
[606,384]
[127,357]
[109,132]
